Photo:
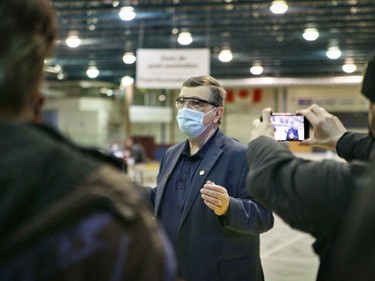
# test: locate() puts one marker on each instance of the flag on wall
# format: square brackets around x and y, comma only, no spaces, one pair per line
[243,93]
[230,96]
[254,95]
[257,95]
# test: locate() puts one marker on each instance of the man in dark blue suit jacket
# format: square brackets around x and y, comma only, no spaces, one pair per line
[292,133]
[201,197]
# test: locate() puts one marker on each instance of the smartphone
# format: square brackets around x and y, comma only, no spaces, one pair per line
[290,127]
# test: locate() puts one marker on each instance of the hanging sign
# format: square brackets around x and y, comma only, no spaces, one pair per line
[169,68]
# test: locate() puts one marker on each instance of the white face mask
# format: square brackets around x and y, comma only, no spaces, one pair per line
[191,122]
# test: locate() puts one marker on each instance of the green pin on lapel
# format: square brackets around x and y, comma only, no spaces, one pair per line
[201,173]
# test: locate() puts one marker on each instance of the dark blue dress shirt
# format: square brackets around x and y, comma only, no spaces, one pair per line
[178,187]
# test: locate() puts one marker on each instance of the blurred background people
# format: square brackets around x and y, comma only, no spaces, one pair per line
[63,215]
[201,198]
[135,156]
[315,197]
[134,153]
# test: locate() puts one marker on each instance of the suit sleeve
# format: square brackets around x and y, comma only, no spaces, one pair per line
[308,195]
[246,215]
[355,146]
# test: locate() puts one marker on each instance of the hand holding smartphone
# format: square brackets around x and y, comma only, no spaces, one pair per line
[290,126]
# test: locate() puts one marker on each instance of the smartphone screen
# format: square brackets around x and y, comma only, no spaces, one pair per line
[290,127]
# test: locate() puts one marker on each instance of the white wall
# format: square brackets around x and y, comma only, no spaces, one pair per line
[339,98]
[240,113]
[84,120]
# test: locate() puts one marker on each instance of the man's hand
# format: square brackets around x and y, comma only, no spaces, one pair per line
[264,128]
[215,197]
[328,129]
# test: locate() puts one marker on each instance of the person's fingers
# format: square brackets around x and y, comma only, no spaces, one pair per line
[320,111]
[311,113]
[256,122]
[266,115]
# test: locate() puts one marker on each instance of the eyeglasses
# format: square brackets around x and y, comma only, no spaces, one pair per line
[194,102]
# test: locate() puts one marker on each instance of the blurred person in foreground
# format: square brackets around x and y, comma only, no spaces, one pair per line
[314,197]
[355,256]
[63,215]
[201,197]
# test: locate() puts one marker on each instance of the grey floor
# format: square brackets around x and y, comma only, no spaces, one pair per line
[287,254]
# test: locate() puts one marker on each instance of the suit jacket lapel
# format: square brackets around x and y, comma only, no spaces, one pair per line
[166,177]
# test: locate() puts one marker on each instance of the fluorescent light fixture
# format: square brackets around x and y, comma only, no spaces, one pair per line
[310,34]
[92,72]
[278,7]
[333,53]
[73,41]
[184,38]
[57,68]
[60,76]
[109,93]
[127,13]
[256,70]
[129,58]
[349,67]
[225,55]
[126,81]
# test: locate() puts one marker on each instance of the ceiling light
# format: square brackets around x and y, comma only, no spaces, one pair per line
[184,38]
[225,55]
[349,67]
[109,93]
[127,13]
[92,72]
[115,3]
[126,81]
[229,7]
[73,41]
[278,7]
[256,70]
[57,68]
[333,53]
[60,76]
[129,58]
[310,34]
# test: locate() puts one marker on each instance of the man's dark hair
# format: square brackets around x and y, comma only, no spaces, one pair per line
[27,35]
[218,93]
